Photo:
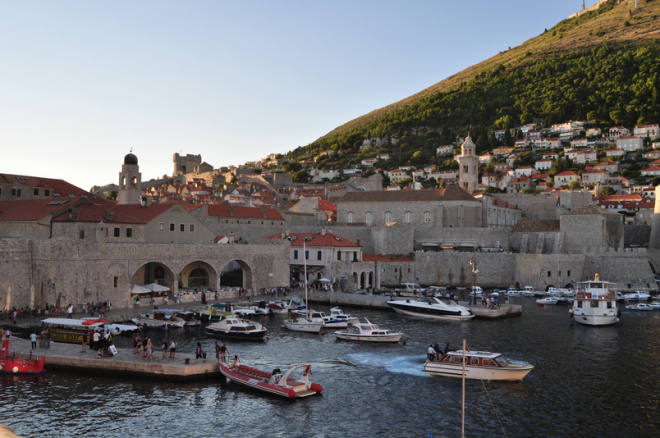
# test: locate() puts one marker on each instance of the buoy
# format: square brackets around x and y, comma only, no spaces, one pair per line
[15,369]
[322,332]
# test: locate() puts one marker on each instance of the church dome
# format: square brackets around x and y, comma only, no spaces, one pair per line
[130,159]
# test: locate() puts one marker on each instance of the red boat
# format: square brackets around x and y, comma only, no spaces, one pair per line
[14,365]
[285,385]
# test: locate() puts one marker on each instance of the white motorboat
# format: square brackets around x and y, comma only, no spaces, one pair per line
[528,291]
[567,292]
[236,328]
[476,291]
[482,365]
[547,300]
[152,320]
[366,331]
[308,321]
[513,292]
[285,306]
[432,308]
[636,296]
[655,305]
[188,316]
[595,303]
[248,308]
[639,306]
[339,319]
[553,292]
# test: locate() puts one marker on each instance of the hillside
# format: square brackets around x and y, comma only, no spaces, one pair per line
[602,65]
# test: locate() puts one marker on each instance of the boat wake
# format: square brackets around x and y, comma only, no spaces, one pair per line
[410,365]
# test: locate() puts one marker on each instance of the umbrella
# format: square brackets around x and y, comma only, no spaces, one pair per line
[154,287]
[137,289]
[8,302]
[324,280]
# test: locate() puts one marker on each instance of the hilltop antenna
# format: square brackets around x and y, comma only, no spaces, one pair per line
[583,6]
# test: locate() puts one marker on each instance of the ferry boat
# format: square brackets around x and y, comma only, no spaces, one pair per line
[431,308]
[285,385]
[71,330]
[595,303]
[482,365]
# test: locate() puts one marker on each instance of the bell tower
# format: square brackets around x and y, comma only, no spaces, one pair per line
[468,161]
[130,181]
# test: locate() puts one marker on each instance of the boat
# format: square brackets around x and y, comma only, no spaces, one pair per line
[432,308]
[482,365]
[528,291]
[154,319]
[122,329]
[251,309]
[595,303]
[71,330]
[285,306]
[366,331]
[13,365]
[547,300]
[214,312]
[636,296]
[284,385]
[301,320]
[655,305]
[236,328]
[476,291]
[409,290]
[188,316]
[339,319]
[639,306]
[553,292]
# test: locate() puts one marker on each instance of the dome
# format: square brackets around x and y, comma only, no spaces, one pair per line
[130,159]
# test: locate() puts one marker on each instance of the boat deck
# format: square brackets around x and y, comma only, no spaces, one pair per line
[68,357]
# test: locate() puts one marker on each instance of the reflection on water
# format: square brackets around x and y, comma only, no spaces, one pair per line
[587,381]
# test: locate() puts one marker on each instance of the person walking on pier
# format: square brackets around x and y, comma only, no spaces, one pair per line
[150,351]
[33,339]
[46,335]
[199,353]
[84,343]
[223,353]
[172,349]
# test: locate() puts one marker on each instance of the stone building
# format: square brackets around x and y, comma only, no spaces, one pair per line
[468,171]
[130,181]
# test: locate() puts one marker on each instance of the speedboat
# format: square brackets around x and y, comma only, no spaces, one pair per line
[547,300]
[308,321]
[339,319]
[595,303]
[639,306]
[432,308]
[285,306]
[553,292]
[636,296]
[528,291]
[366,331]
[482,365]
[236,328]
[285,385]
[513,292]
[13,365]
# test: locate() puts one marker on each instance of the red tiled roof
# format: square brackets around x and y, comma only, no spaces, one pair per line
[244,212]
[123,214]
[317,239]
[381,258]
[327,205]
[60,188]
[566,173]
[32,210]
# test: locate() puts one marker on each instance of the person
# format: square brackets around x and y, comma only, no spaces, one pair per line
[95,338]
[172,349]
[150,351]
[7,334]
[99,354]
[223,353]
[136,341]
[33,339]
[140,349]
[164,347]
[438,352]
[84,343]
[69,311]
[47,337]
[217,352]
[430,353]
[469,300]
[446,348]
[199,352]
[237,361]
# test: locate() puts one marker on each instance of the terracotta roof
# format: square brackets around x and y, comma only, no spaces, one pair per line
[316,239]
[236,211]
[591,209]
[450,193]
[123,214]
[18,211]
[566,173]
[327,205]
[59,187]
[381,258]
[541,226]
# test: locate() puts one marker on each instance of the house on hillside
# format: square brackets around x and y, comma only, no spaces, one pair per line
[566,178]
[630,143]
[651,131]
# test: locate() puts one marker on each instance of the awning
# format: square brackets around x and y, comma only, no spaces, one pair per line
[155,287]
[137,289]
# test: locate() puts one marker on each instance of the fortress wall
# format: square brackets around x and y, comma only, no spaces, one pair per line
[452,268]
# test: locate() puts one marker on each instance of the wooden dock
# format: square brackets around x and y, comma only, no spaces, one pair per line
[69,357]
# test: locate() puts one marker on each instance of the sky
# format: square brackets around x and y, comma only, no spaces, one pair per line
[85,83]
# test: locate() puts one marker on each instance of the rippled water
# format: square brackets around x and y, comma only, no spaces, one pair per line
[587,382]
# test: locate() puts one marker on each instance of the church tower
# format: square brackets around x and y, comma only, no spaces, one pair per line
[130,181]
[468,161]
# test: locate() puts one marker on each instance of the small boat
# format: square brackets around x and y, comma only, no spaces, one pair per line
[284,385]
[13,365]
[308,321]
[512,292]
[339,319]
[214,312]
[285,306]
[553,292]
[655,305]
[366,331]
[636,296]
[431,308]
[154,319]
[528,291]
[639,306]
[482,365]
[547,300]
[122,329]
[188,316]
[236,328]
[244,309]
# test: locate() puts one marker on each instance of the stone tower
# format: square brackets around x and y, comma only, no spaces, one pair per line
[468,173]
[654,242]
[130,181]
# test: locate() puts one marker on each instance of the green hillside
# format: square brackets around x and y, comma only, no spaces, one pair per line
[603,66]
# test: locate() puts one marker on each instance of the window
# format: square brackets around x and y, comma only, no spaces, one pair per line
[117,232]
[568,273]
[36,192]
[192,228]
[115,280]
[388,216]
[427,217]
[295,254]
[129,232]
[350,217]
[161,226]
[171,227]
[338,256]
[355,256]
[368,218]
[306,255]
[318,255]
[407,217]
[549,273]
[46,192]
[182,227]
[81,234]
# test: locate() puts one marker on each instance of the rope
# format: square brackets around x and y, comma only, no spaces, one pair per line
[494,410]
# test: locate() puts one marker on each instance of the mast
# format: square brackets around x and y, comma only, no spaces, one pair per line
[463,405]
[305,270]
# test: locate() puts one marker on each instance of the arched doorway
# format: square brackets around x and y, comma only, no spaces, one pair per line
[153,272]
[363,279]
[371,279]
[236,274]
[198,275]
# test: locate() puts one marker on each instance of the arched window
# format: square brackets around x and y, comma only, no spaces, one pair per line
[427,217]
[134,183]
[351,217]
[368,218]
[407,217]
[122,183]
[388,217]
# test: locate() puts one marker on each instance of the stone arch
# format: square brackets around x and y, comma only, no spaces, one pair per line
[198,274]
[363,280]
[154,272]
[355,279]
[236,273]
[549,286]
[371,279]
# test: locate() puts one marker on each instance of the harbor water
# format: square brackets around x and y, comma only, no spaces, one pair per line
[587,382]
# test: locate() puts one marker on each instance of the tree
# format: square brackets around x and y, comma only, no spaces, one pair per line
[112,195]
[508,141]
[301,176]
[575,185]
[607,191]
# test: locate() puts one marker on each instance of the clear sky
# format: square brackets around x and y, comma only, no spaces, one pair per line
[84,82]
